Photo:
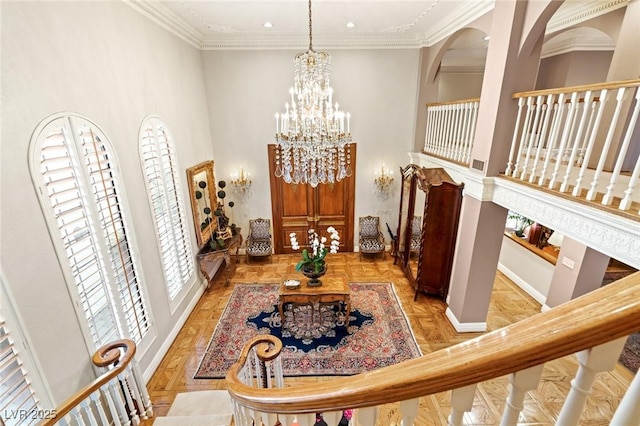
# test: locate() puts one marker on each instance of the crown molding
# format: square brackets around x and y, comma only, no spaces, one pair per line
[456,20]
[575,45]
[577,13]
[168,20]
[320,42]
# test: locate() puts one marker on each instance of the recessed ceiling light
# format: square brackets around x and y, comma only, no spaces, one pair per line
[268,25]
[350,25]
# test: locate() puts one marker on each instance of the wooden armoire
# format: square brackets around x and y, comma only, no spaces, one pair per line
[431,201]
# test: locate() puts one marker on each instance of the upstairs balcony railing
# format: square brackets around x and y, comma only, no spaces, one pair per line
[593,326]
[450,129]
[580,141]
[117,397]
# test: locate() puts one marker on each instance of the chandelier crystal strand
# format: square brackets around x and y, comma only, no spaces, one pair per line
[311,136]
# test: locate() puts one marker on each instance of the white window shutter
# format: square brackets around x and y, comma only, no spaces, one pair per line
[163,185]
[78,178]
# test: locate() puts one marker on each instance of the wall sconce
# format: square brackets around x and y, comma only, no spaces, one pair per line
[383,180]
[242,183]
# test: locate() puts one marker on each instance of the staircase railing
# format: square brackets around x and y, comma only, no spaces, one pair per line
[593,326]
[580,141]
[117,397]
[451,128]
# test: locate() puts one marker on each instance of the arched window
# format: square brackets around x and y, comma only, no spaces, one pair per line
[160,169]
[75,171]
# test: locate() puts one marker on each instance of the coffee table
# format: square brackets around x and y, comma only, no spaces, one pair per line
[334,289]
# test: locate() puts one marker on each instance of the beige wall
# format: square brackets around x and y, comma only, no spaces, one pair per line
[246,88]
[107,62]
[573,69]
[458,86]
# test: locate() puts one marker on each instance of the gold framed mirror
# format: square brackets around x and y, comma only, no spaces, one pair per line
[202,192]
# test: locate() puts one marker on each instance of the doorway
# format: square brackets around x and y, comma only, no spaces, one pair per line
[299,207]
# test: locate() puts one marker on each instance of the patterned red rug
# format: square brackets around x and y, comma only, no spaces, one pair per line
[378,334]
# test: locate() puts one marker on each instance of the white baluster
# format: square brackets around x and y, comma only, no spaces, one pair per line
[591,195]
[583,146]
[461,401]
[521,382]
[287,419]
[110,404]
[430,133]
[621,155]
[97,402]
[443,131]
[567,131]
[458,132]
[306,419]
[553,138]
[549,108]
[366,416]
[472,130]
[88,413]
[439,126]
[532,136]
[116,394]
[449,129]
[591,361]
[523,136]
[628,411]
[142,387]
[133,413]
[269,419]
[576,141]
[134,391]
[592,140]
[466,117]
[409,410]
[514,141]
[77,414]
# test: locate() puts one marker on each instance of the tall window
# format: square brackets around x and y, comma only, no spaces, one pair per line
[75,169]
[163,186]
[18,403]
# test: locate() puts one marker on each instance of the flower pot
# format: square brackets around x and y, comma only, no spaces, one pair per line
[309,271]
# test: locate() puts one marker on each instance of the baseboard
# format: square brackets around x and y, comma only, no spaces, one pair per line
[545,308]
[540,298]
[468,327]
[168,341]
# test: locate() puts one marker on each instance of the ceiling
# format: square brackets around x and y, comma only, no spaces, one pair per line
[239,24]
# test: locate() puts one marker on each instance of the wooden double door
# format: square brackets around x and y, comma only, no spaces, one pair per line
[297,208]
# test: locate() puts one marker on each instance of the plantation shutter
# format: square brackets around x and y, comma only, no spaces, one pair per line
[17,399]
[82,187]
[161,177]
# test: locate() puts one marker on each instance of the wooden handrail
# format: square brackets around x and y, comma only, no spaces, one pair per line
[108,354]
[581,88]
[598,317]
[460,101]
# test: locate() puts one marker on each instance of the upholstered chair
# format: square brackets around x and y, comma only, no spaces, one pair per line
[259,243]
[370,236]
[416,234]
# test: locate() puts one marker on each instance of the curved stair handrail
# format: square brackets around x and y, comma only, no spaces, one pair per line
[117,356]
[596,318]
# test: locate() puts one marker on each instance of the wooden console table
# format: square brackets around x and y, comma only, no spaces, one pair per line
[334,289]
[210,259]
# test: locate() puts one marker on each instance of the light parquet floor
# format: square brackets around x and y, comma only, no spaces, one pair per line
[432,330]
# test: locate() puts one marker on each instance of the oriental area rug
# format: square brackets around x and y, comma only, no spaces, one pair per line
[316,341]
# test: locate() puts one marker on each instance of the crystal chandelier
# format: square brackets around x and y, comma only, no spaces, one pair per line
[312,142]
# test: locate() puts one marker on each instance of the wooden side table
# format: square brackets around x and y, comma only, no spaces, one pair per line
[209,259]
[334,289]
